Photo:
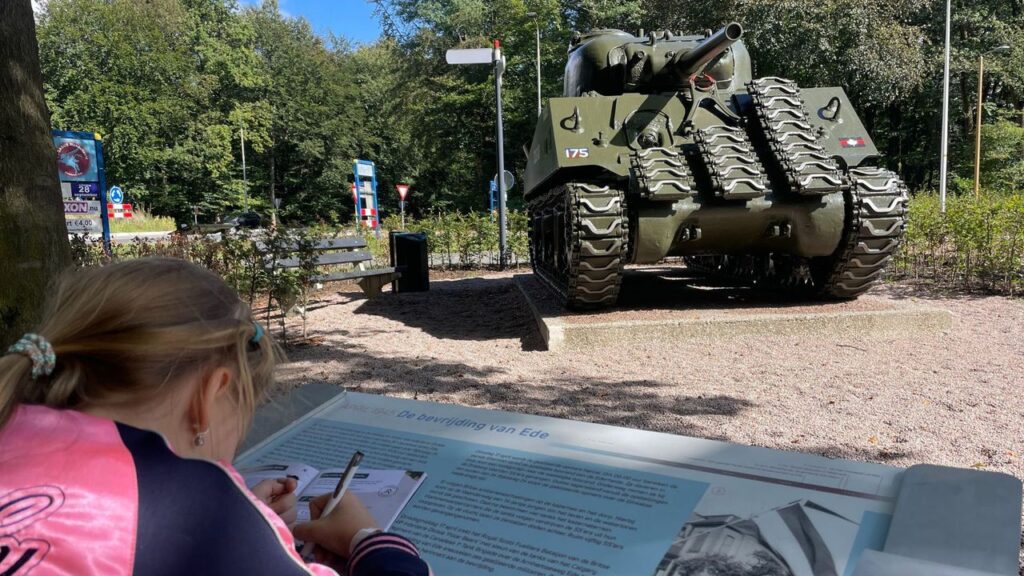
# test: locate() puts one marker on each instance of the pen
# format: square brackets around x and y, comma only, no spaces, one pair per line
[339,492]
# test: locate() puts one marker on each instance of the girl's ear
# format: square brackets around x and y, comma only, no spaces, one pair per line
[211,387]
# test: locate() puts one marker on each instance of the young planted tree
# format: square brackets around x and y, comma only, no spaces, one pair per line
[33,240]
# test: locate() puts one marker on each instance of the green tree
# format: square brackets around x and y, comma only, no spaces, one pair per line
[168,83]
[314,125]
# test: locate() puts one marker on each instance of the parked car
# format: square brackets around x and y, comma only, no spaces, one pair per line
[232,221]
[243,220]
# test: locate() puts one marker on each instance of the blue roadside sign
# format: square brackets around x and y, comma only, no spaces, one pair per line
[116,195]
[365,195]
[82,177]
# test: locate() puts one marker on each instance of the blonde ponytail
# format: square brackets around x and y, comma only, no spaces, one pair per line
[15,370]
[122,332]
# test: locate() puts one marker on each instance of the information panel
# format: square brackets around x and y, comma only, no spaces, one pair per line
[82,181]
[511,494]
[364,194]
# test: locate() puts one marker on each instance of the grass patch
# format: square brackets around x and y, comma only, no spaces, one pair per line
[142,222]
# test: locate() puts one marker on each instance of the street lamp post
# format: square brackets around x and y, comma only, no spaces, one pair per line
[977,122]
[245,179]
[945,119]
[494,57]
[536,23]
[499,69]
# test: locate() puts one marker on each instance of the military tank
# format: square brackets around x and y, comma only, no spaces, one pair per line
[663,145]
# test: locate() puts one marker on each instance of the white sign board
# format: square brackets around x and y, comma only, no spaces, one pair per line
[508,494]
[470,56]
[81,207]
[365,169]
[83,225]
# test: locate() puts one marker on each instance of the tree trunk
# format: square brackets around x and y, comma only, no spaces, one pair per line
[34,244]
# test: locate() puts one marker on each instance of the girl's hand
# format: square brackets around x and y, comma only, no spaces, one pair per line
[333,533]
[279,495]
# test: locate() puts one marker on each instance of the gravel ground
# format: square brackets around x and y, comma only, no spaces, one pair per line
[945,398]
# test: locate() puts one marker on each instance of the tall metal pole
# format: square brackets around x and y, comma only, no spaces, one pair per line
[977,129]
[499,68]
[245,179]
[945,119]
[537,23]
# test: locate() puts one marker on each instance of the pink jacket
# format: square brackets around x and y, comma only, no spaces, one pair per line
[86,495]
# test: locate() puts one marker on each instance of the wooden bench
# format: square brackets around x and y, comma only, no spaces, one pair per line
[339,252]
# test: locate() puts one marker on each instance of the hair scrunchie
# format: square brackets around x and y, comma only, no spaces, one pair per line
[39,351]
[258,329]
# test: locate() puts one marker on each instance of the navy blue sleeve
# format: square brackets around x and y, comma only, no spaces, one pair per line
[386,554]
[195,521]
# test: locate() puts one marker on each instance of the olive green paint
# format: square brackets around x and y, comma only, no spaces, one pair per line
[589,134]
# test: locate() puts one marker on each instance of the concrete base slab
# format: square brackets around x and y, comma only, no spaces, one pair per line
[670,303]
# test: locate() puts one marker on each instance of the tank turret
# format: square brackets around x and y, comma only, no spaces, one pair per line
[611,62]
[664,145]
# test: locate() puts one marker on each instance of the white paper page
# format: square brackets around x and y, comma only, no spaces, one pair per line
[383,492]
[303,474]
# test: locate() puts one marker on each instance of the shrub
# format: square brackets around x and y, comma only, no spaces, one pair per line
[977,244]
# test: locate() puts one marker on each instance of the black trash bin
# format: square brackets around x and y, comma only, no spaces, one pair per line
[409,257]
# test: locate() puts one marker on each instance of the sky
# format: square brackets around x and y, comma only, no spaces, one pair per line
[352,19]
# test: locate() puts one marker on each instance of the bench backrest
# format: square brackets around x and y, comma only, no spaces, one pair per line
[345,243]
[334,251]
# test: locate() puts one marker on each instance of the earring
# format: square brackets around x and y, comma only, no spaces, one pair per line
[200,438]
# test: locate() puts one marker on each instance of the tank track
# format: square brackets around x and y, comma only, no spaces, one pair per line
[578,240]
[731,162]
[875,219]
[660,174]
[779,109]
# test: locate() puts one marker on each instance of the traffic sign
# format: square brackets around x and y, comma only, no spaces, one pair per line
[403,191]
[119,210]
[116,195]
[510,180]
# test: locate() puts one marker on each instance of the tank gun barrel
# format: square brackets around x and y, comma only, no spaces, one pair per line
[691,62]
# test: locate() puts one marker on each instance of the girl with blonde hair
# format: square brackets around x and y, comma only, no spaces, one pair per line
[119,417]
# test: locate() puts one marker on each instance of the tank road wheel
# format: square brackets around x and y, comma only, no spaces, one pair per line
[578,237]
[876,209]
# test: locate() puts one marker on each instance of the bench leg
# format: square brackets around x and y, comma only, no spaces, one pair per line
[371,286]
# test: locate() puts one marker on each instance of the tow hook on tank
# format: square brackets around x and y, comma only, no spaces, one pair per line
[780,230]
[573,122]
[688,233]
[831,110]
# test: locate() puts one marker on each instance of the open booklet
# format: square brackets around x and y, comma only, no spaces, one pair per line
[384,492]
